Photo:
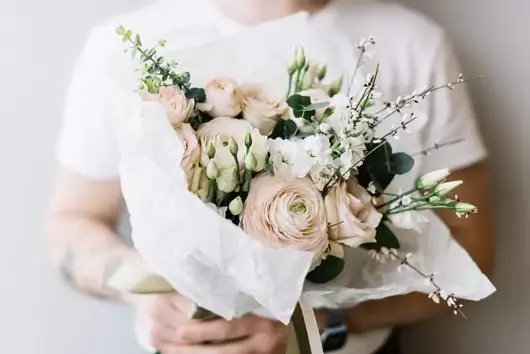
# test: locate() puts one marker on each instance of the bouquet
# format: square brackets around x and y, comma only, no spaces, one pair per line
[301,173]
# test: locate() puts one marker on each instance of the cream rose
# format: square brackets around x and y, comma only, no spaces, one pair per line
[351,214]
[224,98]
[263,107]
[178,107]
[286,212]
[192,150]
[218,132]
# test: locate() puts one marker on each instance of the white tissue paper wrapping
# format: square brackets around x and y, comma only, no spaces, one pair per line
[213,262]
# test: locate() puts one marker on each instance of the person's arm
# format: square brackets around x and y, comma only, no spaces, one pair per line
[80,231]
[474,234]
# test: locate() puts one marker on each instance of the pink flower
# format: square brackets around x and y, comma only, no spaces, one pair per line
[317,96]
[218,132]
[223,98]
[178,107]
[287,213]
[351,214]
[263,107]
[192,150]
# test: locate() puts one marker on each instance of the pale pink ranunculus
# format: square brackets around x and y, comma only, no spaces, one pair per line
[218,132]
[263,106]
[351,214]
[286,213]
[224,98]
[192,150]
[178,107]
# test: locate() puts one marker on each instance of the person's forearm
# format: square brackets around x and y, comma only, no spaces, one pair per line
[86,253]
[393,312]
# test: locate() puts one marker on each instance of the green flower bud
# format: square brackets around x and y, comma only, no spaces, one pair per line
[232,145]
[227,180]
[210,151]
[248,140]
[300,59]
[212,171]
[250,162]
[321,73]
[335,87]
[236,206]
[464,208]
[432,179]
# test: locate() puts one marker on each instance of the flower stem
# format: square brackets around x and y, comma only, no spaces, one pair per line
[290,86]
[396,198]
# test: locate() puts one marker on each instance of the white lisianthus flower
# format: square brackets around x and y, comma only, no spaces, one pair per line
[318,148]
[289,158]
[432,179]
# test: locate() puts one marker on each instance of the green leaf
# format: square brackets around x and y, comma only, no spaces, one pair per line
[298,102]
[377,167]
[328,112]
[384,238]
[300,105]
[290,129]
[138,41]
[329,269]
[197,94]
[284,129]
[317,105]
[401,163]
[120,30]
[127,36]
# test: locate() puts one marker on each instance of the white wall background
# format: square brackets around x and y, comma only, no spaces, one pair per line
[39,40]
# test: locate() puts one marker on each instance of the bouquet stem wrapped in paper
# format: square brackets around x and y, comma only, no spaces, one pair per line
[245,196]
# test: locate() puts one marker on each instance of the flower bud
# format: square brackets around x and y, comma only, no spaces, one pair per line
[432,179]
[232,145]
[227,180]
[236,206]
[335,87]
[309,76]
[250,162]
[248,140]
[212,171]
[300,59]
[324,128]
[210,151]
[445,188]
[463,208]
[321,73]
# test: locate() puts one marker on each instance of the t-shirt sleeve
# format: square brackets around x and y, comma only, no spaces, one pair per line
[86,141]
[451,134]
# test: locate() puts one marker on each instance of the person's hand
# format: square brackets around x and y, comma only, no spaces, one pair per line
[247,335]
[164,322]
[159,319]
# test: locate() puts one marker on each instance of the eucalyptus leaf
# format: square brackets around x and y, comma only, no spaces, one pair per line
[120,30]
[329,269]
[298,102]
[317,105]
[284,129]
[197,94]
[401,163]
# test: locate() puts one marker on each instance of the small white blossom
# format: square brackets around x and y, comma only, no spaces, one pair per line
[434,297]
[371,188]
[406,200]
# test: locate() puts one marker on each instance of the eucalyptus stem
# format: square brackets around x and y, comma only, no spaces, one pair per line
[396,198]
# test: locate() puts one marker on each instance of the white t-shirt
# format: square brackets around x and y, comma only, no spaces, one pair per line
[411,50]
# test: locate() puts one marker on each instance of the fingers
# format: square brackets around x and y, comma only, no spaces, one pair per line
[214,331]
[243,347]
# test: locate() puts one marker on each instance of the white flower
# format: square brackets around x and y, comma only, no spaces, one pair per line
[463,208]
[289,158]
[446,188]
[321,175]
[318,148]
[406,200]
[431,179]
